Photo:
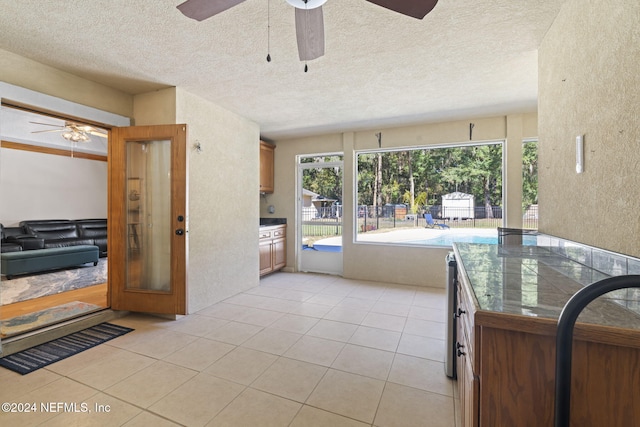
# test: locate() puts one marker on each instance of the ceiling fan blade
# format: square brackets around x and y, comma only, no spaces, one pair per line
[203,9]
[48,130]
[414,8]
[310,33]
[47,124]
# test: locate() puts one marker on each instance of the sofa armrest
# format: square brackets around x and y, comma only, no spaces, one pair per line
[27,242]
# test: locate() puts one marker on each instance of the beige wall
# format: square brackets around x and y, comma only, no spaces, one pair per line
[387,263]
[23,72]
[223,209]
[589,85]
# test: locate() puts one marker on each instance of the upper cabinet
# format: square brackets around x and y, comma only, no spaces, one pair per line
[267,152]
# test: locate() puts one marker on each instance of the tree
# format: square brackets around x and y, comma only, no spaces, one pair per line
[529,174]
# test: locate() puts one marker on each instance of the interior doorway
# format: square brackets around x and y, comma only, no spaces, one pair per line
[320,214]
[53,167]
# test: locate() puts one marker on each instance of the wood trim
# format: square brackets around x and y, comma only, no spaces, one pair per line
[54,151]
[147,301]
[602,334]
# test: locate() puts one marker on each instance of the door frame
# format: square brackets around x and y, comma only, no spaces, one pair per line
[20,96]
[320,262]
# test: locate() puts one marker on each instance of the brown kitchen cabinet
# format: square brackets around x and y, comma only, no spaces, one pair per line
[267,156]
[506,362]
[273,248]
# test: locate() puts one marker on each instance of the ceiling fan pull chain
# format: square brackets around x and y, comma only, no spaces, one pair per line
[268,30]
[306,30]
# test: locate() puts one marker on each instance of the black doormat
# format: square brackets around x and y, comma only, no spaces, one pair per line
[37,357]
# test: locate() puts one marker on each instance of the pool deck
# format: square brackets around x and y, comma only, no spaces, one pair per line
[410,235]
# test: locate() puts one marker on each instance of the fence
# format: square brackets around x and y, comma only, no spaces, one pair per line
[377,218]
[327,221]
[319,222]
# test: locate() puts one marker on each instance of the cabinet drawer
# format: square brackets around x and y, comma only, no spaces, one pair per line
[279,233]
[467,325]
[265,234]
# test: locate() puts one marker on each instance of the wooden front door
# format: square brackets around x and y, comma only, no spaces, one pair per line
[148,219]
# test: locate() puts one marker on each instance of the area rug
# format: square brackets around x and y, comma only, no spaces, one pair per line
[45,354]
[49,316]
[24,288]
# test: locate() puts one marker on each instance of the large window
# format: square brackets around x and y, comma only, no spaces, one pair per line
[430,196]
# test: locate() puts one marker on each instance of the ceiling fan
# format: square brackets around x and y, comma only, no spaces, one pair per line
[72,131]
[309,21]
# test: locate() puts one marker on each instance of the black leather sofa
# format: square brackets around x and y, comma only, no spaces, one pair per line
[56,233]
[7,233]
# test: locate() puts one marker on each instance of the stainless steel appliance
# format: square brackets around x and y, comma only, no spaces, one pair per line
[452,302]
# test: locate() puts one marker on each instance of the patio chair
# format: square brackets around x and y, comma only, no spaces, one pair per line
[432,224]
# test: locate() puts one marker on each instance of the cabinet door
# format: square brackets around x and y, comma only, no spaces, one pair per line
[267,152]
[470,398]
[279,254]
[266,265]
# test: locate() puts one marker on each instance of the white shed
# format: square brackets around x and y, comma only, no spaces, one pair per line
[458,205]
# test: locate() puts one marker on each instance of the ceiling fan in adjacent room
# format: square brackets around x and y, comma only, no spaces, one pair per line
[309,18]
[72,131]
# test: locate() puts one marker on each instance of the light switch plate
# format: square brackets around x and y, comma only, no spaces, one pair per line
[579,154]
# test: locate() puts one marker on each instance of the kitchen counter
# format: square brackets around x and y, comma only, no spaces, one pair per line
[536,282]
[509,301]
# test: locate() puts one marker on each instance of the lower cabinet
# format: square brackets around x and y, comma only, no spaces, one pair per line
[468,382]
[273,248]
[506,370]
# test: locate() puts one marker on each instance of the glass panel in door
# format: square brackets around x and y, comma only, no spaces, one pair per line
[320,214]
[149,215]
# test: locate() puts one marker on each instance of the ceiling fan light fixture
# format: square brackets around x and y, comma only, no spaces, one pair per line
[75,136]
[310,4]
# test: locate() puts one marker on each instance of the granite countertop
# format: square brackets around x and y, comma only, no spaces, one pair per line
[268,222]
[534,281]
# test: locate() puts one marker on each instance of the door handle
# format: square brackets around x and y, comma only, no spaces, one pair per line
[179,232]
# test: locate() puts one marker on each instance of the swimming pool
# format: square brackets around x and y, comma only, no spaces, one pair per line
[449,239]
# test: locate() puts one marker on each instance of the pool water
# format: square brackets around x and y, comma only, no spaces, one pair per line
[448,240]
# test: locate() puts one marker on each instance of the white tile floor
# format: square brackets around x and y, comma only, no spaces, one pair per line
[298,350]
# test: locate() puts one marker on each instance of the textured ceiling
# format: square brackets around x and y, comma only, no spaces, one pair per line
[467,58]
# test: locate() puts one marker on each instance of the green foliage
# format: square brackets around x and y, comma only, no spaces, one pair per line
[474,169]
[529,174]
[325,181]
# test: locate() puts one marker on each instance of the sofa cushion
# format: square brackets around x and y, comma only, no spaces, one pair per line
[61,243]
[27,242]
[6,247]
[92,228]
[50,229]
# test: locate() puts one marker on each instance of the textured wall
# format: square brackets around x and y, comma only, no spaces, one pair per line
[223,193]
[223,200]
[589,84]
[387,263]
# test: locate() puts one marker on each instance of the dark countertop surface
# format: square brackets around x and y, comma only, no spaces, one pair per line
[534,281]
[272,221]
